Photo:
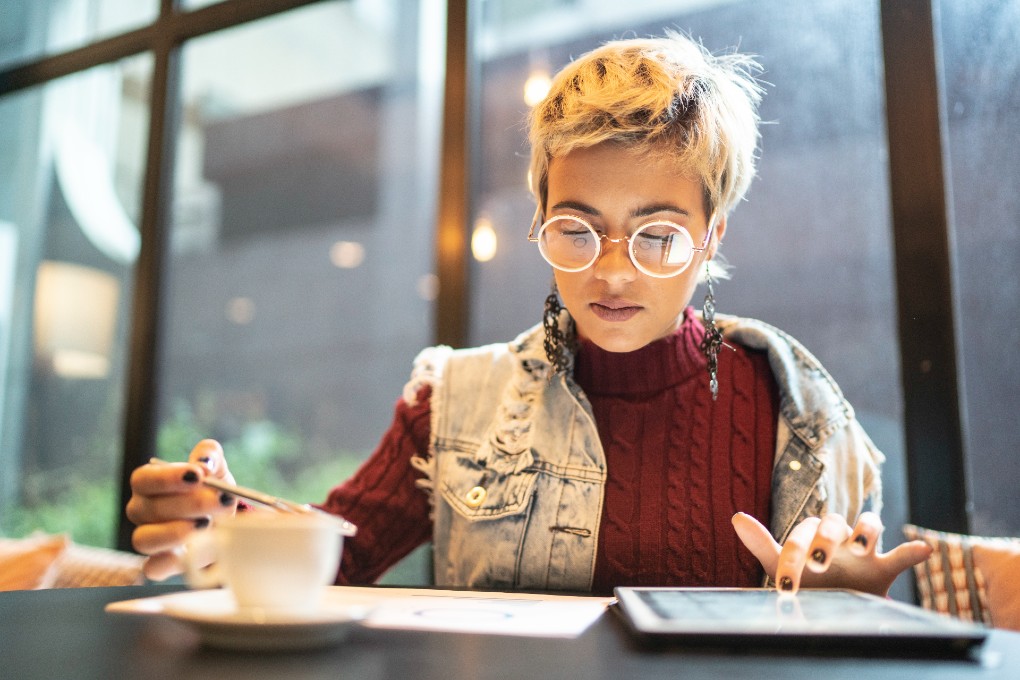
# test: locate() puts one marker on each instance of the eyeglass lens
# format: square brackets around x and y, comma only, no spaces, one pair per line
[659,248]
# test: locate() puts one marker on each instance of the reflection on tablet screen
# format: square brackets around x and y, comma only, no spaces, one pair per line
[765,609]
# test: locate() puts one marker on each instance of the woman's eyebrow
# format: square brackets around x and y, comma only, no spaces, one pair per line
[659,207]
[578,206]
[643,211]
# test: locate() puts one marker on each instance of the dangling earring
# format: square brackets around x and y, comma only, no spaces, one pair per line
[557,342]
[713,336]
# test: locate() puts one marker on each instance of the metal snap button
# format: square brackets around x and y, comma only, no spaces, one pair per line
[475,497]
[794,465]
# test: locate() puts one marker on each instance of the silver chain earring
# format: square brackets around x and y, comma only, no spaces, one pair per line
[713,336]
[558,343]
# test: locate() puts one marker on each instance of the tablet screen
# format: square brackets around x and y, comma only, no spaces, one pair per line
[810,615]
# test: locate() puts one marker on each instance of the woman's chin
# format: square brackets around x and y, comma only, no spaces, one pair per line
[616,341]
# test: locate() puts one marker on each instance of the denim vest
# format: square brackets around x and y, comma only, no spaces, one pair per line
[516,470]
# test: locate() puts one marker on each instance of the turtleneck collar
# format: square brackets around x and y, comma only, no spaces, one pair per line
[657,366]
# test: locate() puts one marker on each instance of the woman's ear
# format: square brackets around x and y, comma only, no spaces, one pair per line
[717,237]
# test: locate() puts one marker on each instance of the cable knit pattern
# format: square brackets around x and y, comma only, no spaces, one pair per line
[622,516]
[698,438]
[678,489]
[680,464]
[382,498]
[740,450]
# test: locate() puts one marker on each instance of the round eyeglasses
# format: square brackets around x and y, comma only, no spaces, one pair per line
[659,248]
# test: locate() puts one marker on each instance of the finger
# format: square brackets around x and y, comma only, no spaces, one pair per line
[151,539]
[197,502]
[866,534]
[907,555]
[758,540]
[157,489]
[794,554]
[209,454]
[162,566]
[829,535]
[165,478]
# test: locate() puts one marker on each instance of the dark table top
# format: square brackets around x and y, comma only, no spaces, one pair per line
[56,634]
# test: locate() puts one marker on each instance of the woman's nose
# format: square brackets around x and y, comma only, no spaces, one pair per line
[614,264]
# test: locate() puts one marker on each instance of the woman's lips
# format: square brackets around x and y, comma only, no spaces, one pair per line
[614,310]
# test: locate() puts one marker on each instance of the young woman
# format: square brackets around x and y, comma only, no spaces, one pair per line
[626,440]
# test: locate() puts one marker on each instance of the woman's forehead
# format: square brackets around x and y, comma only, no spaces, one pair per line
[622,174]
[597,170]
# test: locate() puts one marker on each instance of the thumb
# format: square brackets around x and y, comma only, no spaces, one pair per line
[908,554]
[209,454]
[758,540]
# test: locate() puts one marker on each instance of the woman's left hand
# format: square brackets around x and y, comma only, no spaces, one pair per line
[827,553]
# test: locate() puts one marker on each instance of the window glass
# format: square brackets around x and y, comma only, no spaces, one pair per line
[35,28]
[71,165]
[299,281]
[982,100]
[196,4]
[821,193]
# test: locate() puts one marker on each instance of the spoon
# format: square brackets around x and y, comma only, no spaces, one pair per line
[274,502]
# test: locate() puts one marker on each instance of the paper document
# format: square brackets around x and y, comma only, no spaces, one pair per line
[451,611]
[474,612]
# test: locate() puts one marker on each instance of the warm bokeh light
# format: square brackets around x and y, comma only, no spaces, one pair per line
[428,287]
[536,87]
[347,254]
[483,240]
[75,318]
[241,311]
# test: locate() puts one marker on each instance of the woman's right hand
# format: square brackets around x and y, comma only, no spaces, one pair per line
[168,502]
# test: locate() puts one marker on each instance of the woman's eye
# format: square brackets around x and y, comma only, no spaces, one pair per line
[649,241]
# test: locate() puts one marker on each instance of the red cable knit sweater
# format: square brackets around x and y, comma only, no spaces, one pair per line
[679,466]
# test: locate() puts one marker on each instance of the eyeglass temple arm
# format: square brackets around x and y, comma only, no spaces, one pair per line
[708,236]
[534,223]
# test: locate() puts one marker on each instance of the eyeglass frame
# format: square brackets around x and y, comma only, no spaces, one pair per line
[630,253]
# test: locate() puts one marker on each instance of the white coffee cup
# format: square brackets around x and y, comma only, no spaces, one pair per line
[273,563]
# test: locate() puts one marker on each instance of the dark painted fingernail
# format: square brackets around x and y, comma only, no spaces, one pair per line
[226,499]
[204,459]
[190,477]
[786,583]
[861,540]
[818,556]
[201,522]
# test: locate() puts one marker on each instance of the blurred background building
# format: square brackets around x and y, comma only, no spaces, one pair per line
[288,200]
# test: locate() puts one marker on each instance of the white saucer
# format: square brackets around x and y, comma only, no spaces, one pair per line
[214,615]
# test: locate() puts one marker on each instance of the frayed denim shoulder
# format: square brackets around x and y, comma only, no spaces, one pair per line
[427,370]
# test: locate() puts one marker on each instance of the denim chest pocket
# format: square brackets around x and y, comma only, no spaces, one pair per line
[486,483]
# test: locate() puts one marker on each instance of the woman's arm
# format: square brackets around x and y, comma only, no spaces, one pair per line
[382,500]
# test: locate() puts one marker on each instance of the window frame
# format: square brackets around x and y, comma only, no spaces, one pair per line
[922,223]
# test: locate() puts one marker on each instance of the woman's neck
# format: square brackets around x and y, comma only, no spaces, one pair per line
[658,365]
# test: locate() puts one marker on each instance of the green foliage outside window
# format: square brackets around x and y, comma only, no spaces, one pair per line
[84,502]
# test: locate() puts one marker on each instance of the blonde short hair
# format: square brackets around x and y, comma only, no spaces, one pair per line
[668,96]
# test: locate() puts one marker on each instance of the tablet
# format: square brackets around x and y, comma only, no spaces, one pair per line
[827,620]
